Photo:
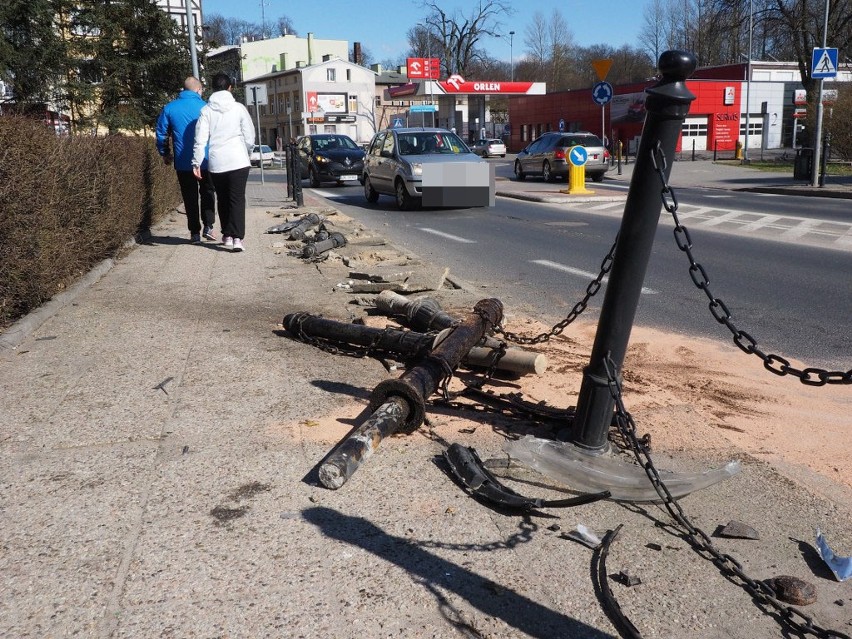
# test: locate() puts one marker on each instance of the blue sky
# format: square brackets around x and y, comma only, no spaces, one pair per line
[381,25]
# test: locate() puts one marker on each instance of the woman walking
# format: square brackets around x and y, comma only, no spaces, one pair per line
[226,125]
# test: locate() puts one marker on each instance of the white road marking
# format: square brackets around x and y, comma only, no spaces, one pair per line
[718,197]
[454,238]
[765,220]
[802,228]
[576,271]
[329,194]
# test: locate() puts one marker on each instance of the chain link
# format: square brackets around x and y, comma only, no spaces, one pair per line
[697,538]
[591,290]
[773,363]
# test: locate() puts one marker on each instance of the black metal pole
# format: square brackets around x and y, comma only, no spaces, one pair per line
[667,105]
[288,165]
[297,176]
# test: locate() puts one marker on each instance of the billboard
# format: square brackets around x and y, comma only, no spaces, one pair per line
[326,102]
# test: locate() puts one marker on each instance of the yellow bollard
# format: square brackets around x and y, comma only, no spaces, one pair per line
[576,176]
[576,181]
[738,155]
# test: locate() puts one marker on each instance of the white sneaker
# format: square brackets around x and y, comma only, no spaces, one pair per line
[238,245]
[228,241]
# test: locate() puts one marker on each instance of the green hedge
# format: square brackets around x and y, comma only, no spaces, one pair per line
[66,203]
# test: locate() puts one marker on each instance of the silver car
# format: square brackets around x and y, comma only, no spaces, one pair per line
[396,157]
[547,156]
[490,147]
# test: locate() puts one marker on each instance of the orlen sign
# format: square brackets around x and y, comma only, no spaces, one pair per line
[457,84]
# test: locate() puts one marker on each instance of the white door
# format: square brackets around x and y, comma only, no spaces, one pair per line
[694,130]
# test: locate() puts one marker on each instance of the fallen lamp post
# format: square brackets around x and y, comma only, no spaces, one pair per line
[400,404]
[409,344]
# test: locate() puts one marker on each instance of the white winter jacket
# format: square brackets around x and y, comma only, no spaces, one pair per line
[227,125]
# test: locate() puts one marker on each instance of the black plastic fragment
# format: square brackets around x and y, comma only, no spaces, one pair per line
[468,468]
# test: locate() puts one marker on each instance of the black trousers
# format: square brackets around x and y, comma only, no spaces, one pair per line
[231,195]
[191,189]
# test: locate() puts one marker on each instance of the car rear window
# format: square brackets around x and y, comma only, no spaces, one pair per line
[580,140]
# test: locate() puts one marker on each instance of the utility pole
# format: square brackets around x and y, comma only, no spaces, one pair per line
[818,132]
[190,27]
[748,83]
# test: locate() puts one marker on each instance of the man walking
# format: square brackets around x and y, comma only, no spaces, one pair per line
[225,127]
[176,124]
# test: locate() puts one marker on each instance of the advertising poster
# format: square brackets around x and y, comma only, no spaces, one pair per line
[627,107]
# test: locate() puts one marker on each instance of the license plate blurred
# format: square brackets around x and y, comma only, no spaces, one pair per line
[348,177]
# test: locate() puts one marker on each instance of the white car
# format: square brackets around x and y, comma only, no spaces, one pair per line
[265,151]
[490,147]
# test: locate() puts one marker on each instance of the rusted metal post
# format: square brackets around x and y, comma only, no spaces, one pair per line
[423,314]
[409,344]
[400,404]
[298,231]
[667,105]
[334,240]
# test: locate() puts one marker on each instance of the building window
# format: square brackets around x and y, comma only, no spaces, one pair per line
[694,129]
[348,75]
[755,124]
[378,100]
[353,104]
[331,75]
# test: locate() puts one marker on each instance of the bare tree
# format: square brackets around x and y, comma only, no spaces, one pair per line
[550,45]
[284,26]
[458,35]
[223,31]
[653,32]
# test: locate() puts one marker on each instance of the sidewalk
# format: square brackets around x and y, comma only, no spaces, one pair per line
[699,173]
[159,450]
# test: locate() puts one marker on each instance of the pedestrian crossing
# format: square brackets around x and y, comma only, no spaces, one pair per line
[781,228]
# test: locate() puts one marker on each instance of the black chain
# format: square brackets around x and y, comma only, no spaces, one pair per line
[591,290]
[773,363]
[700,541]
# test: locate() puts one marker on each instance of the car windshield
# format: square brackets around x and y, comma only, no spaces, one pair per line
[329,142]
[430,142]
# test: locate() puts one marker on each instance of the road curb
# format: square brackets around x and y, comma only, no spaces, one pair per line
[561,199]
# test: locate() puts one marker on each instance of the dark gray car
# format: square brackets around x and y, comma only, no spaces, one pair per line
[547,156]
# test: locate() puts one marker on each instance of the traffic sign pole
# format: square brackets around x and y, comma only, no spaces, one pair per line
[816,68]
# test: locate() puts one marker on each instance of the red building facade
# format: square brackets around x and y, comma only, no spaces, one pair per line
[713,121]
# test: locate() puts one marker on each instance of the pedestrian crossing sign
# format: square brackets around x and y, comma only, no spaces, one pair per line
[824,63]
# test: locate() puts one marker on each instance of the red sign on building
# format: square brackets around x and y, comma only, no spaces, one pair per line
[423,68]
[457,84]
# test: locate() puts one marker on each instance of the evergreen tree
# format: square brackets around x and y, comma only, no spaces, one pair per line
[132,59]
[32,51]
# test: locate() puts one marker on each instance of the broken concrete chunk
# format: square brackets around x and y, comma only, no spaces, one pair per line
[738,530]
[627,579]
[792,590]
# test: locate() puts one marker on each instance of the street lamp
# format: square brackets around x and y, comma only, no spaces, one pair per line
[511,57]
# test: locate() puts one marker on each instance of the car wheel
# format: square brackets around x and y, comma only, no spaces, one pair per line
[519,172]
[597,177]
[546,173]
[403,200]
[369,192]
[503,155]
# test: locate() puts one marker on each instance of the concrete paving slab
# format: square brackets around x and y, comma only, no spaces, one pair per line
[133,512]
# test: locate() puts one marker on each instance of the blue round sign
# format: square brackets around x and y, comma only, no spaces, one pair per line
[602,93]
[578,156]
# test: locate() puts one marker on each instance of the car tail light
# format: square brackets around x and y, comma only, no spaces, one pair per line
[559,154]
[606,155]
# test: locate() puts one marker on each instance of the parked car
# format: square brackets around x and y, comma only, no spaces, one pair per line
[396,157]
[264,151]
[547,156]
[329,157]
[489,148]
